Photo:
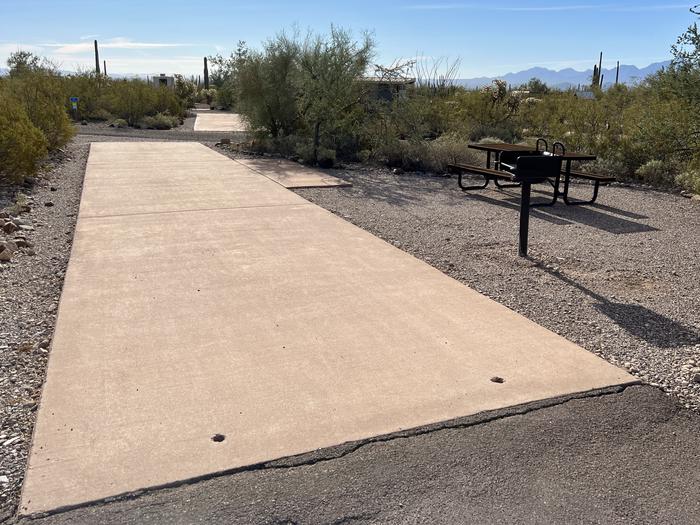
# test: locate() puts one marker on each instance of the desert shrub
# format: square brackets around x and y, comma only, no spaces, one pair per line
[164,121]
[22,145]
[87,86]
[120,123]
[133,99]
[689,180]
[656,172]
[327,87]
[428,155]
[448,149]
[40,91]
[145,123]
[100,114]
[325,157]
[266,91]
[225,78]
[130,100]
[211,95]
[185,91]
[158,121]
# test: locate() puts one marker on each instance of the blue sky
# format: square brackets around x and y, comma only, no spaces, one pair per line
[490,37]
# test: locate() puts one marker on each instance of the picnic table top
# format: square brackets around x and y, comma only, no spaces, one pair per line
[523,148]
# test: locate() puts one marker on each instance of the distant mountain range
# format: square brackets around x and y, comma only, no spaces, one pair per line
[563,79]
[567,78]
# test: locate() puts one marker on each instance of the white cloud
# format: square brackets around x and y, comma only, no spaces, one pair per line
[113,43]
[11,47]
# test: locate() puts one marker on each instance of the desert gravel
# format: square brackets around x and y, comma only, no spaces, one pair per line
[30,286]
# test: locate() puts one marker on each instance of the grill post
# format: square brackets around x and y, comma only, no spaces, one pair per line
[524,218]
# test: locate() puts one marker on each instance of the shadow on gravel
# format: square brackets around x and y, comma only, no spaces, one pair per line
[652,327]
[405,189]
[534,212]
[587,216]
[618,211]
[602,221]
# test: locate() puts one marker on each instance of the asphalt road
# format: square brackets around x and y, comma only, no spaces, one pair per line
[628,456]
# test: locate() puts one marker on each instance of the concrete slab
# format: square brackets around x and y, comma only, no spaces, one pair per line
[164,178]
[271,322]
[292,174]
[219,122]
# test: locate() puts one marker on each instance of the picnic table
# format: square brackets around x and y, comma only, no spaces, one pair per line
[503,178]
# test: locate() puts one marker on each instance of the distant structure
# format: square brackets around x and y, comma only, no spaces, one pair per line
[163,80]
[388,88]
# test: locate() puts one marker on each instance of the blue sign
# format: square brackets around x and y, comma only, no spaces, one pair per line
[74,99]
[74,103]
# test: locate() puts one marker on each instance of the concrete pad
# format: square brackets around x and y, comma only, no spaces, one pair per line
[292,174]
[279,326]
[164,178]
[219,122]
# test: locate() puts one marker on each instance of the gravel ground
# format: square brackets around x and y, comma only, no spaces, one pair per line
[30,285]
[619,278]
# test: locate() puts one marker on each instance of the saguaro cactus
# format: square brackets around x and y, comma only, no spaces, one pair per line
[97,59]
[595,79]
[206,74]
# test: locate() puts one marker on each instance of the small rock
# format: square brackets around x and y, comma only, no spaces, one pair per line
[22,243]
[4,480]
[4,215]
[48,204]
[26,228]
[45,343]
[53,188]
[696,378]
[10,227]
[10,246]
[5,255]
[397,171]
[30,251]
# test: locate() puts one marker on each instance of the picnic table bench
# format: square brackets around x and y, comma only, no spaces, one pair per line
[510,152]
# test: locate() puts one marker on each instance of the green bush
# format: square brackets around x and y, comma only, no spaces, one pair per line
[325,157]
[428,155]
[100,114]
[158,121]
[42,94]
[211,95]
[119,123]
[22,145]
[656,172]
[134,99]
[185,91]
[689,180]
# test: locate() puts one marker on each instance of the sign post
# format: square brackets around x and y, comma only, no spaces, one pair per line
[74,106]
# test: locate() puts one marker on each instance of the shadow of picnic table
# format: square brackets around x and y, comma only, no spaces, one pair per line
[635,319]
